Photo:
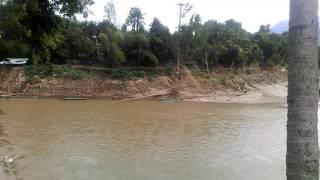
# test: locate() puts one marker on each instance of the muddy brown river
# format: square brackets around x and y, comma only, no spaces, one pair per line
[145,140]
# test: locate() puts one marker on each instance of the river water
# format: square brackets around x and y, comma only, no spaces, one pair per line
[145,140]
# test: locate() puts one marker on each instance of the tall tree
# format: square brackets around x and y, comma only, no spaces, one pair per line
[302,133]
[184,9]
[204,46]
[41,18]
[135,19]
[110,12]
[160,41]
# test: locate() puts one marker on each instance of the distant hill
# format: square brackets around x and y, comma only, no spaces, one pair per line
[283,26]
[280,27]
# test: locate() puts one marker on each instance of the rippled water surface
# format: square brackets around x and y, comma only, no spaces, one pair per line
[146,140]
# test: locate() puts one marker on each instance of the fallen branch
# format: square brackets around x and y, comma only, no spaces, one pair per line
[258,89]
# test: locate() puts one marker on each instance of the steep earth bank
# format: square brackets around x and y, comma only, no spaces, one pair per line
[248,85]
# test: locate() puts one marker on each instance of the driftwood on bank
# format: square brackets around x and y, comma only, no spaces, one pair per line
[260,90]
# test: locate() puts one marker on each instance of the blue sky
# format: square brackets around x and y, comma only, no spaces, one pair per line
[251,13]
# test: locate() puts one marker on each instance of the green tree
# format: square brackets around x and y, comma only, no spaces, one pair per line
[11,27]
[204,46]
[233,30]
[273,47]
[234,55]
[160,41]
[41,19]
[137,50]
[303,92]
[76,46]
[110,40]
[135,19]
[13,34]
[264,29]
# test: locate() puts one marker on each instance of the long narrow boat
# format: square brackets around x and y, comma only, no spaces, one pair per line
[169,100]
[74,98]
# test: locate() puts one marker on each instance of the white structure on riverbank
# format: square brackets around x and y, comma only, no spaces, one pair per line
[14,61]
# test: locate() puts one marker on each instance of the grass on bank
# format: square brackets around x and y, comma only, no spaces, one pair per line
[35,73]
[221,76]
[131,73]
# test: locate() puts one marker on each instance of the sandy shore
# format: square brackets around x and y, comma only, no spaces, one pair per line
[255,94]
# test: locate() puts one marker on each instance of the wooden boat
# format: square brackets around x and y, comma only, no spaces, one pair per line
[14,61]
[169,100]
[74,98]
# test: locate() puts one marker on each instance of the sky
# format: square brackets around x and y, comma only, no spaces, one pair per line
[251,13]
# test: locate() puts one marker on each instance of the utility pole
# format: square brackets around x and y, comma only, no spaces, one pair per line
[184,9]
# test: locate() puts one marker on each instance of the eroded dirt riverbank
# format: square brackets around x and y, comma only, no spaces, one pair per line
[250,85]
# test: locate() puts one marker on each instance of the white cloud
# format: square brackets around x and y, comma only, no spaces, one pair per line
[251,13]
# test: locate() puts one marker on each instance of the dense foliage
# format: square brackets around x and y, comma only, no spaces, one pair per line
[33,29]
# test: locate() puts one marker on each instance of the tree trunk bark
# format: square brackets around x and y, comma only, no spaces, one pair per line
[207,64]
[302,134]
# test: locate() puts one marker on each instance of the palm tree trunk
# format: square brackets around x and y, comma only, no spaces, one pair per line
[302,133]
